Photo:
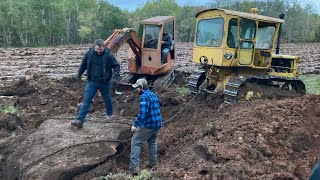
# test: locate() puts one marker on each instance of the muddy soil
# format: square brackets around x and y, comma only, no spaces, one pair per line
[261,139]
[205,139]
[36,99]
[63,61]
[308,53]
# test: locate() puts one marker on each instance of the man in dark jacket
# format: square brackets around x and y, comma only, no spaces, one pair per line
[166,45]
[102,67]
[145,127]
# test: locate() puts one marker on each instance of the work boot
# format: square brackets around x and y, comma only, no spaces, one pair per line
[117,92]
[109,117]
[134,171]
[77,123]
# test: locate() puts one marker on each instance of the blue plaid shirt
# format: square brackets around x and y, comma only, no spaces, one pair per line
[149,115]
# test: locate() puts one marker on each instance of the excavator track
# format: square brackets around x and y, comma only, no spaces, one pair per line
[127,78]
[127,81]
[162,81]
[259,84]
[195,80]
[165,80]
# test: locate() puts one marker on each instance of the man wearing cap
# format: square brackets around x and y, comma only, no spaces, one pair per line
[102,67]
[145,127]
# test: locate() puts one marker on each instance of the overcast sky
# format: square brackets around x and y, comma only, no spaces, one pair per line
[131,5]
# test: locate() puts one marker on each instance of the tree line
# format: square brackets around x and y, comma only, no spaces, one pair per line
[59,22]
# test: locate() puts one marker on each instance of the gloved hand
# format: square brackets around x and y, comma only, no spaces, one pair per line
[133,128]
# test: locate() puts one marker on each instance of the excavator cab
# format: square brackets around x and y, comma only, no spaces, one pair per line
[145,56]
[153,32]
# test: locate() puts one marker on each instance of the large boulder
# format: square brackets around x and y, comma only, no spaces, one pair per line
[58,151]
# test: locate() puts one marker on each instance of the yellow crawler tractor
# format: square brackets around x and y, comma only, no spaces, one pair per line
[234,51]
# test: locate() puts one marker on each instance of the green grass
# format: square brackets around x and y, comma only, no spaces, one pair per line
[312,82]
[183,91]
[143,175]
[8,110]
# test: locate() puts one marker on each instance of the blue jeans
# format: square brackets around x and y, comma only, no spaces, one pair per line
[315,172]
[164,53]
[90,90]
[140,136]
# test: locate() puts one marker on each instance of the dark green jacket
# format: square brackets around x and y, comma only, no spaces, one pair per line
[110,66]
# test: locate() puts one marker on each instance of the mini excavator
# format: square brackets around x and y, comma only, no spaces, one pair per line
[145,56]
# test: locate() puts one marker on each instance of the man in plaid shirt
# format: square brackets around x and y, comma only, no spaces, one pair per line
[145,127]
[315,172]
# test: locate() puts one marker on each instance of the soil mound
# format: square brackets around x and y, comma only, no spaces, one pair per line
[266,139]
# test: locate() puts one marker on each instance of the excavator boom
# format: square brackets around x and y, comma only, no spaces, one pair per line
[122,36]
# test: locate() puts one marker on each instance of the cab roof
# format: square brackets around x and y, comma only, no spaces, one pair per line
[244,15]
[158,20]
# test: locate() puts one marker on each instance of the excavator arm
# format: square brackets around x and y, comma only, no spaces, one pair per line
[122,36]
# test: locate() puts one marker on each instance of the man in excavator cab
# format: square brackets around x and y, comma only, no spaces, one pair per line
[165,44]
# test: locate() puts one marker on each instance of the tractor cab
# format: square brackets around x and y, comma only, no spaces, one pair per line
[151,50]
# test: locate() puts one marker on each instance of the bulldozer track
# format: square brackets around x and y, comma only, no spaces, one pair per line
[231,90]
[194,79]
[127,78]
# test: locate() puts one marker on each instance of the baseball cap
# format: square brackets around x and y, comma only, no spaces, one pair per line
[140,82]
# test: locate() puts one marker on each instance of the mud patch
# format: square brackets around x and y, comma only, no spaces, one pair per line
[262,139]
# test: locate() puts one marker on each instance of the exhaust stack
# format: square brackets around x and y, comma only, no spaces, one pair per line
[281,16]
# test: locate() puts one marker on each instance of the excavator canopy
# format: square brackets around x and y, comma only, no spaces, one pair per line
[158,20]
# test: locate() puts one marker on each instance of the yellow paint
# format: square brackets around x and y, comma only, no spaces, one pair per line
[245,57]
[244,61]
[213,55]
